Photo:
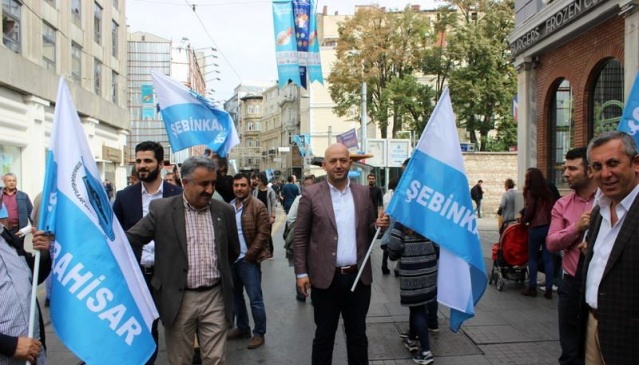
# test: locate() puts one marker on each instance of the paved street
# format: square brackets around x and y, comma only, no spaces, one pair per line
[507,329]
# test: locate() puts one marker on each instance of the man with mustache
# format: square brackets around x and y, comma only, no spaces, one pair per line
[132,203]
[611,297]
[196,244]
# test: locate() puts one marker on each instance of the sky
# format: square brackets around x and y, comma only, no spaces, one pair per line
[240,30]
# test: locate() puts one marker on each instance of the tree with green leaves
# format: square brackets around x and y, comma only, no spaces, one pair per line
[378,47]
[483,81]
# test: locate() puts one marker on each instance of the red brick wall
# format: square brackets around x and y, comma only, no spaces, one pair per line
[577,61]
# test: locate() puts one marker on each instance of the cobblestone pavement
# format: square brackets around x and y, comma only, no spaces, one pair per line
[508,328]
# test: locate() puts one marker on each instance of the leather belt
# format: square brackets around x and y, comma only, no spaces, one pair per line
[346,269]
[147,270]
[594,313]
[204,288]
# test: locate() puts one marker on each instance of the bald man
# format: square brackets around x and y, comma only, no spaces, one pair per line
[336,223]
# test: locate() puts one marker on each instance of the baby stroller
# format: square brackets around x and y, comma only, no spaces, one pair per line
[510,256]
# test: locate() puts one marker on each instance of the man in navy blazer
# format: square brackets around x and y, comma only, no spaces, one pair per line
[132,203]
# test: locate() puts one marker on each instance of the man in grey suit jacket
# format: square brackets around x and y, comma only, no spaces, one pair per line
[335,224]
[195,244]
[612,279]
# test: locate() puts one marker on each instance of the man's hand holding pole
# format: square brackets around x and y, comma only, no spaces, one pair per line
[382,222]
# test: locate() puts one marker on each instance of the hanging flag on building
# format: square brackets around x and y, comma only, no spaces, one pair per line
[516,108]
[433,199]
[303,142]
[191,119]
[629,122]
[97,291]
[296,42]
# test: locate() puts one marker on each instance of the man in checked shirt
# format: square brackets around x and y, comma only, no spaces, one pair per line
[196,243]
[570,219]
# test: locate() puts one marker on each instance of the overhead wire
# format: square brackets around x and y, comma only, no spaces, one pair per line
[194,8]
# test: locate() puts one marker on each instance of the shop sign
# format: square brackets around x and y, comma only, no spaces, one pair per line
[556,21]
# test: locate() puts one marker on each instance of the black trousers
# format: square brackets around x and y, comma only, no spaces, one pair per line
[328,304]
[569,326]
[148,274]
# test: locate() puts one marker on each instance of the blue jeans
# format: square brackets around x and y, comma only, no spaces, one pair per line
[431,314]
[248,275]
[418,323]
[537,239]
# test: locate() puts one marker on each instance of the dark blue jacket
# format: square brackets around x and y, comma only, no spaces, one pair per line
[128,206]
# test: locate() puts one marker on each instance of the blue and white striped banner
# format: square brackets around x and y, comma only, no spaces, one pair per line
[192,120]
[432,198]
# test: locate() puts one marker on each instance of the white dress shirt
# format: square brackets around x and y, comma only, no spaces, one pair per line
[148,250]
[605,242]
[344,210]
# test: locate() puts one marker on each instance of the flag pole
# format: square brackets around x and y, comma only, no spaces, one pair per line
[368,255]
[34,287]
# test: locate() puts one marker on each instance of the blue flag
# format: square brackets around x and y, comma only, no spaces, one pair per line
[432,198]
[629,122]
[192,120]
[101,308]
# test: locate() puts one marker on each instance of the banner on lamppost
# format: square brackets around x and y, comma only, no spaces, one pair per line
[296,43]
[349,139]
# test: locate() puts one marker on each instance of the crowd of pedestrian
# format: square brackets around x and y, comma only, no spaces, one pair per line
[200,236]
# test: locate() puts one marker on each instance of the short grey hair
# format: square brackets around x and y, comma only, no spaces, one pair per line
[190,164]
[628,143]
[11,174]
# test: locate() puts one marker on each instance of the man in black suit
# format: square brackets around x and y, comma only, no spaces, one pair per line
[611,283]
[132,203]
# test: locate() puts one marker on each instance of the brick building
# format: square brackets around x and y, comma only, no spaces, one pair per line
[576,62]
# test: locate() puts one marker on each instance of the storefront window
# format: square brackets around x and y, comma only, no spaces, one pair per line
[607,102]
[561,130]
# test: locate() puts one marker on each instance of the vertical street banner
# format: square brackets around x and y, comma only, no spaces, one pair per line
[629,122]
[192,120]
[148,102]
[313,60]
[296,42]
[432,198]
[302,20]
[101,308]
[288,67]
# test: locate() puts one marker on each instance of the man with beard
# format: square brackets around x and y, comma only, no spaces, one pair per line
[132,203]
[569,221]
